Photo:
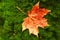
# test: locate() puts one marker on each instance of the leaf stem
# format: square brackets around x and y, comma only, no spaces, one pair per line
[20,10]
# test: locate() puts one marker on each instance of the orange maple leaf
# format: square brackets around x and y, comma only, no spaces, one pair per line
[35,19]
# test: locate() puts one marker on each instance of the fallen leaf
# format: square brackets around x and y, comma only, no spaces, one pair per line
[35,19]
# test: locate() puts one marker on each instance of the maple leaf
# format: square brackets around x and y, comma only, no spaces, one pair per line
[35,19]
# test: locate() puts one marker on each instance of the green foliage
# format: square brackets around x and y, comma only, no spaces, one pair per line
[11,19]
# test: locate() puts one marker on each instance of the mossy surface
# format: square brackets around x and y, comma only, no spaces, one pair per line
[11,20]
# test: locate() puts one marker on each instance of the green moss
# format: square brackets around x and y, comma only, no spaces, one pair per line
[11,19]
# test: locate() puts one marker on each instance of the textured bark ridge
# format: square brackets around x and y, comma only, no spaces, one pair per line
[35,19]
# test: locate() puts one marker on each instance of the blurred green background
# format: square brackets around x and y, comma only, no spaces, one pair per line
[11,19]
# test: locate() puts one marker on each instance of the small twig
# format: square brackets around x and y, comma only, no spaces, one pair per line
[20,10]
